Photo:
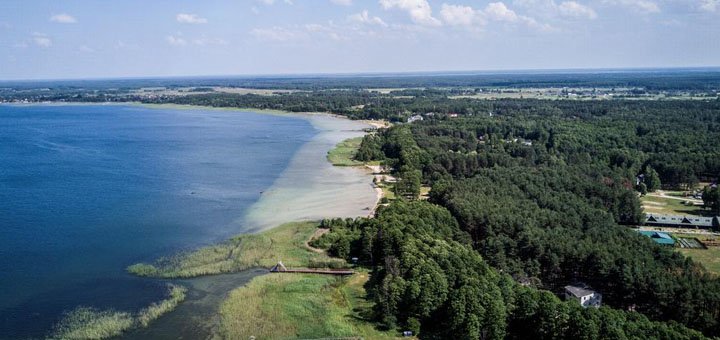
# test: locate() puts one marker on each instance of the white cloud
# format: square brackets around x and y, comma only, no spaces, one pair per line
[274,34]
[576,10]
[42,40]
[365,18]
[419,10]
[86,49]
[205,41]
[272,2]
[498,11]
[709,5]
[456,15]
[63,18]
[185,18]
[175,41]
[643,6]
[342,2]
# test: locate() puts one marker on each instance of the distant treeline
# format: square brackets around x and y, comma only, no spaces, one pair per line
[537,192]
[650,79]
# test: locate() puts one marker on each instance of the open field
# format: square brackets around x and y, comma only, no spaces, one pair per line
[299,306]
[344,153]
[669,205]
[709,258]
[285,243]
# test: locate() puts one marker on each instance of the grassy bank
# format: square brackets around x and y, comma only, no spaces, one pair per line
[344,152]
[299,306]
[285,243]
[91,323]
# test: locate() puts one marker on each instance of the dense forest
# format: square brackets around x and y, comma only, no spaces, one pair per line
[527,200]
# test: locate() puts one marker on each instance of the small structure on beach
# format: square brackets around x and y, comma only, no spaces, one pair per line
[279,267]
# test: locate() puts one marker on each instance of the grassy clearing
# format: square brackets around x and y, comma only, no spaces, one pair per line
[388,190]
[669,206]
[280,306]
[344,153]
[709,258]
[91,323]
[285,243]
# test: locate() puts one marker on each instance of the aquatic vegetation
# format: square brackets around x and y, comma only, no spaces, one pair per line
[91,323]
[155,310]
[285,243]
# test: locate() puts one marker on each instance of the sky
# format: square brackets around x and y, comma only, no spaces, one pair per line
[75,39]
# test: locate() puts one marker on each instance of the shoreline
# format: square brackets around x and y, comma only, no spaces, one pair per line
[302,184]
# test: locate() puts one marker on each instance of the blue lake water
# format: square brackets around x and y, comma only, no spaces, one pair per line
[87,190]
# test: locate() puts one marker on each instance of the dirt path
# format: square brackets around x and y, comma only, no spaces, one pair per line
[318,232]
[662,194]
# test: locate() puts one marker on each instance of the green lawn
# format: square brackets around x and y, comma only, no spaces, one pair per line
[344,153]
[710,258]
[668,206]
[285,243]
[282,306]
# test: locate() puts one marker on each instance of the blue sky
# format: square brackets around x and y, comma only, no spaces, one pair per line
[50,39]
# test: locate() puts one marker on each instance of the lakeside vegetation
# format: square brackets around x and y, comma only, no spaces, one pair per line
[92,323]
[284,243]
[280,305]
[343,154]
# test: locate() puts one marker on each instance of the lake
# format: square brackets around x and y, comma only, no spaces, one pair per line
[86,190]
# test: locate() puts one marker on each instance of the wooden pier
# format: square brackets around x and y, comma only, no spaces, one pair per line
[280,268]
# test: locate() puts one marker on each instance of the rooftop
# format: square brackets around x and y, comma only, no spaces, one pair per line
[579,291]
[658,237]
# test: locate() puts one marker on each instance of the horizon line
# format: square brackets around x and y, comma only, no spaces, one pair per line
[379,74]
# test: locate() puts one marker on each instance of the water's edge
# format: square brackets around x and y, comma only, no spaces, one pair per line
[302,192]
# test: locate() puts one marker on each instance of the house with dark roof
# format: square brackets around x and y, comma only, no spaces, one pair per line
[658,237]
[585,296]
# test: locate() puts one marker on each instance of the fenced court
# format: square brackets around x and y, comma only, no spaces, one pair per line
[690,243]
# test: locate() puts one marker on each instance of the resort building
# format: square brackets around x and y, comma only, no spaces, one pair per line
[687,221]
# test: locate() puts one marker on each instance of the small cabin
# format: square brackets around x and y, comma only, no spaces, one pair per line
[585,296]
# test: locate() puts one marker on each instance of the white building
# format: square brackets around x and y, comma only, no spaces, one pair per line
[585,296]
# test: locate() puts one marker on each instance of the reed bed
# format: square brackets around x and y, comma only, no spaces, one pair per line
[91,323]
[285,243]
